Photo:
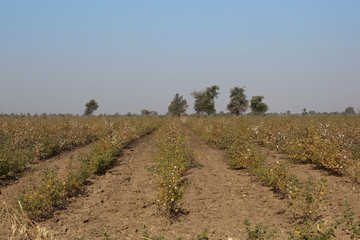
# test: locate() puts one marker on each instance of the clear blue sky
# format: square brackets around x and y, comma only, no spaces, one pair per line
[133,55]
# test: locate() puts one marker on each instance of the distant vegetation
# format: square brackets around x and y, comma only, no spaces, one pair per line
[204,100]
[146,112]
[178,106]
[238,102]
[204,105]
[257,106]
[90,107]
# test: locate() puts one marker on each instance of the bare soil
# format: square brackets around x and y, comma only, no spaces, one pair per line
[217,198]
[119,202]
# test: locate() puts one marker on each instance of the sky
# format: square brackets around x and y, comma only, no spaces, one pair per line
[131,55]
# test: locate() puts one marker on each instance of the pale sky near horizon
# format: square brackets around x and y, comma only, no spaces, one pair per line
[133,55]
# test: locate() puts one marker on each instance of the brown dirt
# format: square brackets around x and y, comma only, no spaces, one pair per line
[120,201]
[220,199]
[116,203]
[217,198]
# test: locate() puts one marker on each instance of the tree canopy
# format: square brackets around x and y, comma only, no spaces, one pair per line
[238,102]
[90,107]
[204,100]
[350,111]
[257,106]
[146,112]
[177,106]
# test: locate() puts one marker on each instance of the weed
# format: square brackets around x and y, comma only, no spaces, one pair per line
[260,232]
[313,231]
[107,236]
[202,236]
[146,235]
[350,223]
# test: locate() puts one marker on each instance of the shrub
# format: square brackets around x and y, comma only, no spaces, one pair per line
[38,202]
[260,232]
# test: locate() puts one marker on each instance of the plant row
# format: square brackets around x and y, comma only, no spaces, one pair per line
[24,139]
[52,192]
[172,159]
[332,143]
[242,152]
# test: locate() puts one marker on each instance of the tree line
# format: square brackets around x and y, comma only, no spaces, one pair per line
[205,102]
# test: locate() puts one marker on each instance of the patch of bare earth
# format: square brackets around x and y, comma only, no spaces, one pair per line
[217,198]
[116,203]
[123,199]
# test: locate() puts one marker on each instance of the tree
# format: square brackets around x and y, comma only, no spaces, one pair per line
[153,113]
[177,106]
[145,112]
[257,106]
[350,111]
[90,107]
[204,100]
[238,102]
[198,101]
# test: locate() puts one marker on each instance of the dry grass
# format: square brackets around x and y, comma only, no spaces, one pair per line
[20,225]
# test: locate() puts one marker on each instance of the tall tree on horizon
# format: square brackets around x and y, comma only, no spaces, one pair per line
[204,100]
[177,106]
[257,106]
[238,102]
[90,107]
[350,111]
[145,112]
